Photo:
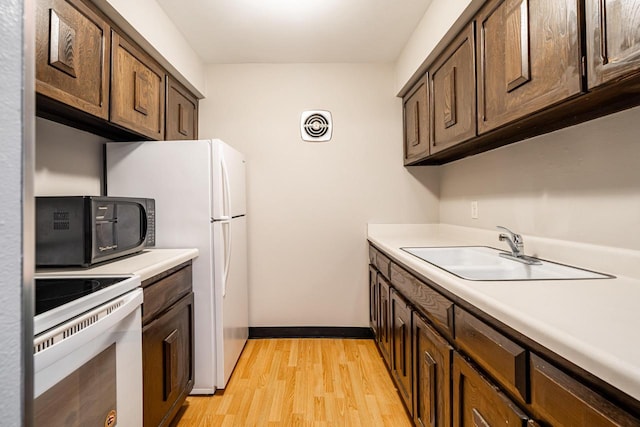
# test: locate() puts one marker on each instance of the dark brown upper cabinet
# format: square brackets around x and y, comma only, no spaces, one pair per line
[416,122]
[453,89]
[613,39]
[529,58]
[182,112]
[72,57]
[137,89]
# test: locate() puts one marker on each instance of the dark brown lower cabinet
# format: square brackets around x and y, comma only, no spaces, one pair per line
[167,362]
[455,368]
[167,344]
[374,296]
[560,400]
[401,366]
[478,403]
[384,327]
[431,376]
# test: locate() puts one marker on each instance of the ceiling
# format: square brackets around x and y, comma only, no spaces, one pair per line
[292,31]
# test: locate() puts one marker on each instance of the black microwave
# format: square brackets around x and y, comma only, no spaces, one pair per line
[85,230]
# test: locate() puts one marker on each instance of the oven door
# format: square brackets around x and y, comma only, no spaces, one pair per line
[88,371]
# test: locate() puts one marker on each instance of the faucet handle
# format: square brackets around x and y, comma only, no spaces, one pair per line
[516,238]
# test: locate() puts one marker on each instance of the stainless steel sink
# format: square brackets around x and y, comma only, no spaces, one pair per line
[485,263]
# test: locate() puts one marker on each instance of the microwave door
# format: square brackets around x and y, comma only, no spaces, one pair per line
[131,225]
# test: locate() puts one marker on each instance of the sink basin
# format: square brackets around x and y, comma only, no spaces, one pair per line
[485,263]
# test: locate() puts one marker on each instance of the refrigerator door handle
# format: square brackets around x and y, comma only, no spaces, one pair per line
[226,189]
[227,253]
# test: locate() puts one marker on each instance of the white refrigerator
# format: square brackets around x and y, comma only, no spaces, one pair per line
[199,189]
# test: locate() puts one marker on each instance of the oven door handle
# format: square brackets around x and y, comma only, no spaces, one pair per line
[55,344]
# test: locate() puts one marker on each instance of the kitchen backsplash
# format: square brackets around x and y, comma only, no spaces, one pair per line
[578,184]
[68,161]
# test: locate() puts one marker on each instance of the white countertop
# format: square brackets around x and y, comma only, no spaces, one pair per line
[592,323]
[145,264]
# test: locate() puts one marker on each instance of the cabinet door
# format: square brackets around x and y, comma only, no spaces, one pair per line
[432,376]
[137,90]
[401,360]
[563,401]
[613,39]
[529,58]
[167,353]
[453,88]
[416,122]
[374,306]
[384,325]
[477,403]
[72,58]
[182,112]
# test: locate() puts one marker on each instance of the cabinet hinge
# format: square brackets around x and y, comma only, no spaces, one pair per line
[583,63]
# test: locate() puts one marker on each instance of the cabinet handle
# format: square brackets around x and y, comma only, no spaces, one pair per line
[62,37]
[603,32]
[170,362]
[141,93]
[450,98]
[478,420]
[416,124]
[517,45]
[182,120]
[402,346]
[431,369]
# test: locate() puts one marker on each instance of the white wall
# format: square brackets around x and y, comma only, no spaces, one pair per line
[433,27]
[581,183]
[68,161]
[153,24]
[308,204]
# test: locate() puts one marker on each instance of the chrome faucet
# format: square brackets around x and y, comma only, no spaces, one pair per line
[514,240]
[517,246]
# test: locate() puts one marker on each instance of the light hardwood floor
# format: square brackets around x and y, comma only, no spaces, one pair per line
[302,382]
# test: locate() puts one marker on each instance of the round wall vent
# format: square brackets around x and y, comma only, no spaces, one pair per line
[316,126]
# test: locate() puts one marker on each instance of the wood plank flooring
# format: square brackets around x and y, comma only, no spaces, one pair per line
[302,382]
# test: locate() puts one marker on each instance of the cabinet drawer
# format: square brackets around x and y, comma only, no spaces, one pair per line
[372,255]
[561,400]
[162,294]
[380,261]
[476,402]
[503,359]
[436,307]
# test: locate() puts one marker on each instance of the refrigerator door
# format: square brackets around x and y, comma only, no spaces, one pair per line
[231,288]
[178,176]
[229,182]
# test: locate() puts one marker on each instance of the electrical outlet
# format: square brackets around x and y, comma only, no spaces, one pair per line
[474,209]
